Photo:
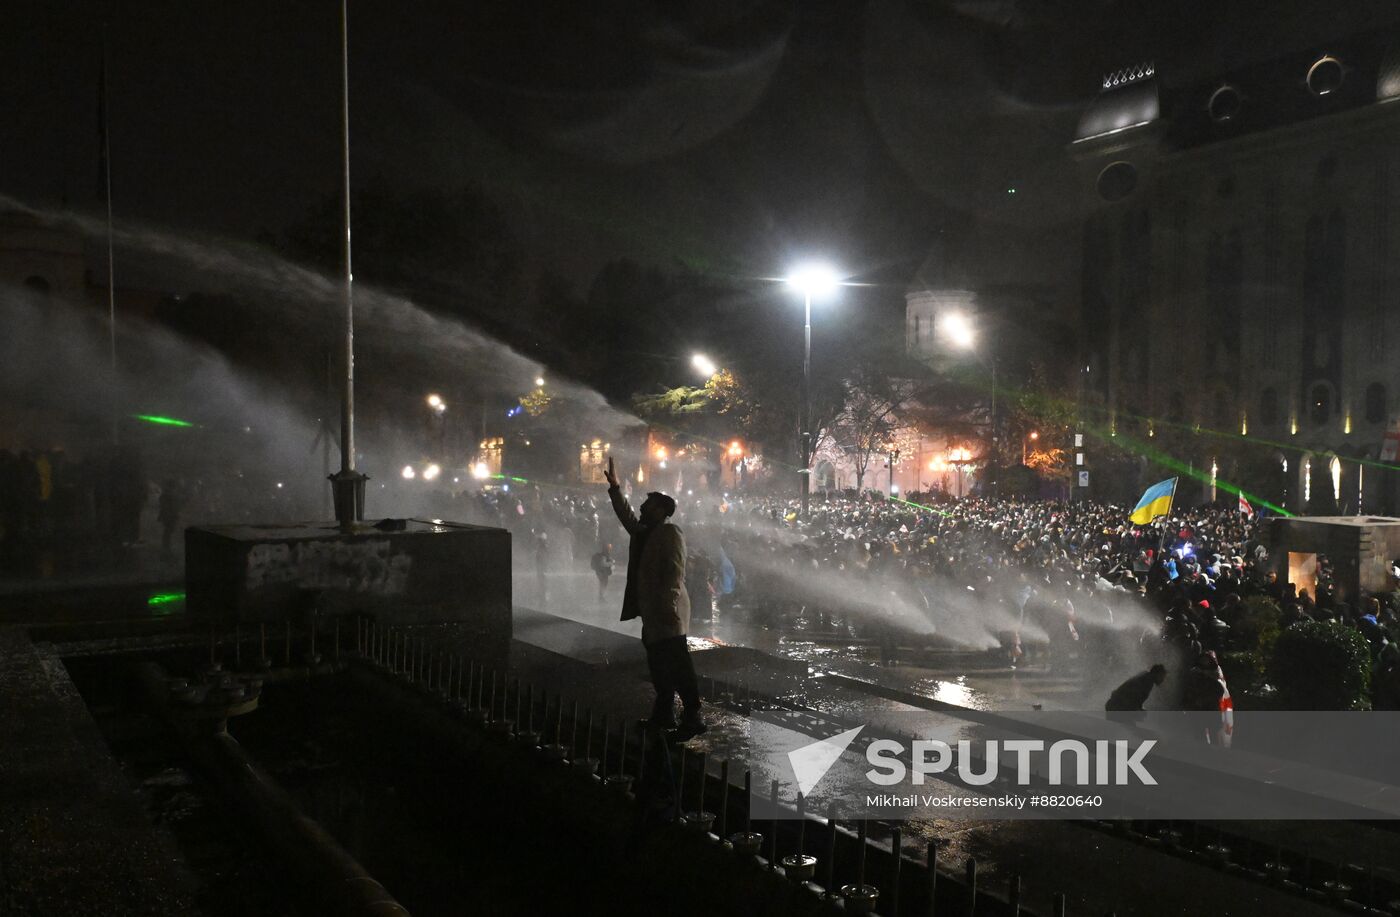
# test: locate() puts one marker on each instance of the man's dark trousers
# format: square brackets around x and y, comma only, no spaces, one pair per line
[672,672]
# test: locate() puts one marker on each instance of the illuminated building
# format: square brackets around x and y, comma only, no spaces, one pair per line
[1239,265]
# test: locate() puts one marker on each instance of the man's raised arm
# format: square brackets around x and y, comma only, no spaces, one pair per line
[629,519]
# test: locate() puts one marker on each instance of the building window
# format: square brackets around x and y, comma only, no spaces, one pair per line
[592,458]
[1375,403]
[1320,404]
[488,458]
[1268,407]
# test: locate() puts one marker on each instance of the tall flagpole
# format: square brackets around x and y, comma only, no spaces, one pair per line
[347,485]
[111,270]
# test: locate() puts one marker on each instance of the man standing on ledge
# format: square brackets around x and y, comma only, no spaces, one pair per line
[655,592]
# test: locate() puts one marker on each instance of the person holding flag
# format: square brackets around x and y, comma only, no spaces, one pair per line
[1156,501]
[1245,508]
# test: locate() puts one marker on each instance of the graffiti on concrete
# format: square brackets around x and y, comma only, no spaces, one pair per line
[361,565]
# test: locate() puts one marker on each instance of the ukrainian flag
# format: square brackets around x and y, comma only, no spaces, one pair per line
[1156,501]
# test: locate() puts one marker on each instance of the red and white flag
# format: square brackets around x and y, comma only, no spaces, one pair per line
[1245,507]
[1390,444]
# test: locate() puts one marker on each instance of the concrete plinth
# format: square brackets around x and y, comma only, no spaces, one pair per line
[425,572]
[1360,549]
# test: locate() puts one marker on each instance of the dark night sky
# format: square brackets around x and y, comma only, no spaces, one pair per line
[733,136]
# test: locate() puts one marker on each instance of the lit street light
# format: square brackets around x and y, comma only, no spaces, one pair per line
[812,280]
[892,454]
[539,382]
[704,365]
[959,458]
[439,409]
[958,328]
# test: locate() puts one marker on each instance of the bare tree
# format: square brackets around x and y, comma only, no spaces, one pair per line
[870,415]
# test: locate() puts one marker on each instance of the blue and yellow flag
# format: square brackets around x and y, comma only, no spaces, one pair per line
[1156,501]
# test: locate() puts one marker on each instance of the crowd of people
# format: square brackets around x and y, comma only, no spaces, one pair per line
[1028,582]
[60,515]
[46,498]
[1031,582]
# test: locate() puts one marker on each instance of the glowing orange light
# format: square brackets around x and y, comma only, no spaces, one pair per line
[735,449]
[661,452]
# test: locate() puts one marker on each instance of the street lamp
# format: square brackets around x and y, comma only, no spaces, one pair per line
[892,453]
[439,408]
[1030,437]
[958,328]
[959,458]
[811,280]
[704,365]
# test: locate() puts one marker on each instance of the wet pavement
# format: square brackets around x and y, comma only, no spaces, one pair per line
[579,652]
[74,839]
[979,680]
[1127,875]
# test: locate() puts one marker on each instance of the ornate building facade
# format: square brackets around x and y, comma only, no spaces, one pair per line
[1241,270]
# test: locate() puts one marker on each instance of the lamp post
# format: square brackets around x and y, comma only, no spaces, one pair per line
[892,457]
[1030,437]
[812,280]
[958,327]
[959,458]
[439,409]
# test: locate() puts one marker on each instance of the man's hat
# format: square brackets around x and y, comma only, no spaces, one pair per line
[667,502]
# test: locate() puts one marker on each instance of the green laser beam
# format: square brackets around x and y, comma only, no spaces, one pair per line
[1198,430]
[162,421]
[932,509]
[1125,442]
[165,598]
[1011,393]
[576,488]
